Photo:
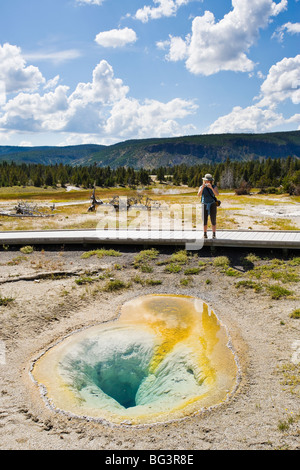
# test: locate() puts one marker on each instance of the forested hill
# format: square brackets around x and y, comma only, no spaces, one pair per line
[153,153]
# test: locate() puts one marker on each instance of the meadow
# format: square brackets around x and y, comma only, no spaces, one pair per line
[68,208]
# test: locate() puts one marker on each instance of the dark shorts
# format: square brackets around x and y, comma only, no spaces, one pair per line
[213,214]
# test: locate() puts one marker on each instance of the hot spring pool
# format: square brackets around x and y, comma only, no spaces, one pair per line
[166,357]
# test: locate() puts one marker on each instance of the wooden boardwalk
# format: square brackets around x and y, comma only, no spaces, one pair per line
[190,239]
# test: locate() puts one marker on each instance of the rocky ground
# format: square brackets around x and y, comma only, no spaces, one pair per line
[47,294]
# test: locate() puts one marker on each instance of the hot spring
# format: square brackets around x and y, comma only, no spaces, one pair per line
[166,357]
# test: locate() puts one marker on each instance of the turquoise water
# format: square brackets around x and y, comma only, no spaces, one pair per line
[165,357]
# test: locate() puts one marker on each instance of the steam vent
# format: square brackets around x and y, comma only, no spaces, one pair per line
[166,357]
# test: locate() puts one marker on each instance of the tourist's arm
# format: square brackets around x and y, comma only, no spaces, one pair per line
[201,190]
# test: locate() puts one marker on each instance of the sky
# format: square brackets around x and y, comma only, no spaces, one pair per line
[105,71]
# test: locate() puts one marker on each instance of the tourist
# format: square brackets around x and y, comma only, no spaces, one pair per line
[208,193]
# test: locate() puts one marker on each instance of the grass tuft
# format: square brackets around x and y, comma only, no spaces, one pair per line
[277,292]
[221,262]
[295,314]
[248,284]
[26,249]
[100,253]
[4,301]
[114,285]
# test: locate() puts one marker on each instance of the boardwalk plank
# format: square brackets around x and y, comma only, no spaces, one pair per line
[239,238]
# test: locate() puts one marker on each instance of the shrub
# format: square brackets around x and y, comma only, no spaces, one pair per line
[26,249]
[221,261]
[295,313]
[244,189]
[180,257]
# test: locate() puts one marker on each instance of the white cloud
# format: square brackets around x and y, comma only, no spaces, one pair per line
[130,118]
[52,83]
[163,8]
[250,119]
[292,28]
[101,108]
[25,143]
[214,46]
[90,2]
[178,49]
[116,37]
[281,84]
[104,88]
[15,74]
[57,57]
[33,112]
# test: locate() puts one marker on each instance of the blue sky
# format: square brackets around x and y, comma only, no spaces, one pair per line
[104,71]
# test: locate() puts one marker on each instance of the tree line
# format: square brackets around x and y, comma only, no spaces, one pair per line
[266,174]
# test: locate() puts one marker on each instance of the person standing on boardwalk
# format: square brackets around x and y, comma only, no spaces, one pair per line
[208,193]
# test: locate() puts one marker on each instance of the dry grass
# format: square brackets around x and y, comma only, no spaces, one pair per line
[76,216]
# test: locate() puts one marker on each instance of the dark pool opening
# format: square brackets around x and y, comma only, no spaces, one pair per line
[120,377]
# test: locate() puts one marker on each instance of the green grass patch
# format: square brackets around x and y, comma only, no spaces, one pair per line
[284,276]
[277,292]
[17,260]
[100,253]
[115,285]
[145,256]
[277,270]
[295,261]
[26,250]
[150,282]
[221,262]
[291,377]
[279,224]
[84,280]
[232,272]
[4,301]
[189,271]
[173,268]
[146,268]
[295,313]
[252,257]
[203,264]
[180,257]
[153,282]
[248,284]
[186,281]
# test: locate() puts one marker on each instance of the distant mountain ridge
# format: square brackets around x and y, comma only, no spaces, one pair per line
[152,153]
